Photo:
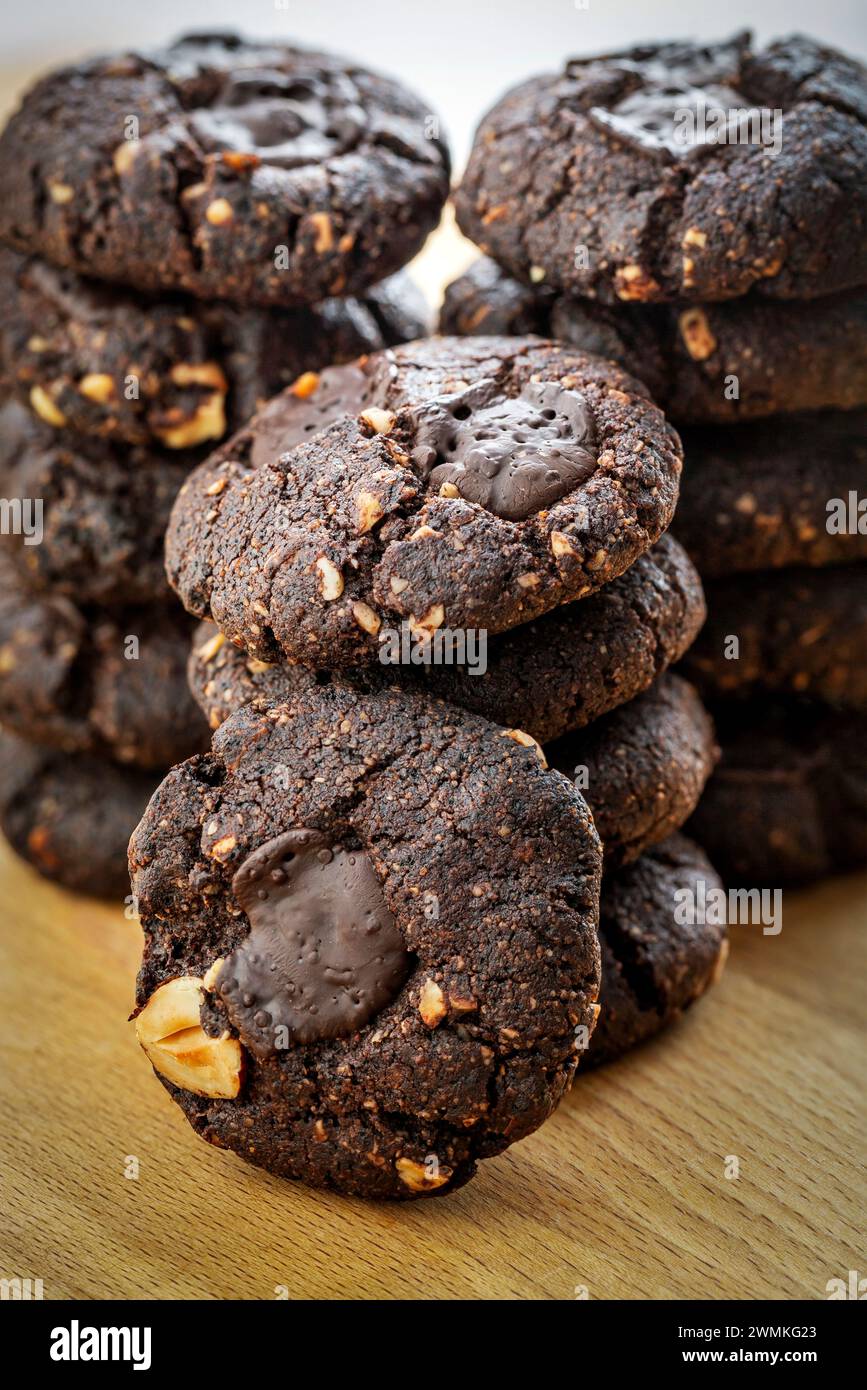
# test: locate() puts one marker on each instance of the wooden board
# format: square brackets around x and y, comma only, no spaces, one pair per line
[623,1192]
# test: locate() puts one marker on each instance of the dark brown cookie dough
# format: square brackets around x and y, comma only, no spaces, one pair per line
[66,682]
[642,767]
[545,678]
[577,180]
[71,816]
[104,512]
[477,873]
[757,497]
[451,483]
[788,801]
[799,631]
[653,965]
[741,360]
[257,172]
[174,372]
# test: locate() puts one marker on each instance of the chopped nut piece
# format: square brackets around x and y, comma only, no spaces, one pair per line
[170,1031]
[221,849]
[431,1004]
[449,490]
[370,511]
[217,486]
[694,236]
[241,162]
[209,649]
[97,386]
[537,274]
[305,385]
[419,1178]
[634,283]
[124,156]
[430,621]
[208,421]
[366,618]
[380,421]
[45,407]
[529,581]
[219,212]
[324,238]
[696,334]
[210,978]
[397,585]
[526,741]
[331,580]
[561,545]
[60,192]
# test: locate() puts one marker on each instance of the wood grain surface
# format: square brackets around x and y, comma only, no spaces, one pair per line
[623,1193]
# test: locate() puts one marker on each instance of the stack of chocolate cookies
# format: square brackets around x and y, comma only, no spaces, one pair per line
[141,321]
[439,607]
[699,214]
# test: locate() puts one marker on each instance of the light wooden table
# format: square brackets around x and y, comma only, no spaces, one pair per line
[623,1192]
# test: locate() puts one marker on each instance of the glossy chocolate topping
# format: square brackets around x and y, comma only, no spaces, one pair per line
[511,455]
[323,955]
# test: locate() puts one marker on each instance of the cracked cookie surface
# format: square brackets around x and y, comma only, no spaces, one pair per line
[223,166]
[477,870]
[608,181]
[325,523]
[174,372]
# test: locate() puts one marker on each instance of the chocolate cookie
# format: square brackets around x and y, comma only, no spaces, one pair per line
[642,767]
[676,171]
[174,372]
[95,514]
[788,802]
[71,816]
[739,360]
[775,494]
[799,632]
[545,678]
[88,680]
[374,917]
[655,961]
[452,483]
[226,167]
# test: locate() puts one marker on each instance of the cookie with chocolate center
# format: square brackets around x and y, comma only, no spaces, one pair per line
[448,484]
[370,939]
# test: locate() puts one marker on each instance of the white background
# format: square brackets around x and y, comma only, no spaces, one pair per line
[459,54]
